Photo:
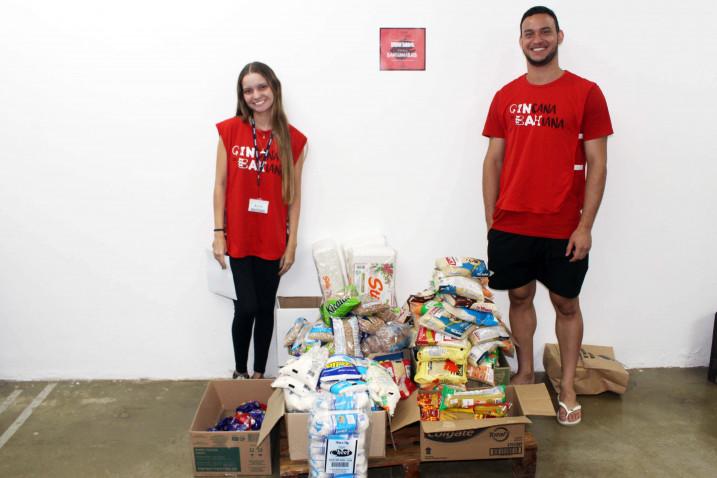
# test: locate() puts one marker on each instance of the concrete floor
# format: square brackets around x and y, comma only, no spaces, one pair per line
[665,425]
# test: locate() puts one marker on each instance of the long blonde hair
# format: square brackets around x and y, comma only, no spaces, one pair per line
[279,124]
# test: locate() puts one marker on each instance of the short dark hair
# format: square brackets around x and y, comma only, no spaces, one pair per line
[537,10]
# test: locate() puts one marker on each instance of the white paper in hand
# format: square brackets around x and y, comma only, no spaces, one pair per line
[220,281]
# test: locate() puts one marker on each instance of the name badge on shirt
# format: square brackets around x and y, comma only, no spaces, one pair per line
[259,206]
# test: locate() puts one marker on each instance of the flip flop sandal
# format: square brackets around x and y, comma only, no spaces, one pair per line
[569,411]
[240,376]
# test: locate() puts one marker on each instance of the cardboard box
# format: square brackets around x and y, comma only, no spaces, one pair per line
[479,439]
[297,430]
[597,370]
[287,310]
[232,453]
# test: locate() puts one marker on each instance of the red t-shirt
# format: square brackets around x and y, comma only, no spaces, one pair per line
[251,233]
[542,182]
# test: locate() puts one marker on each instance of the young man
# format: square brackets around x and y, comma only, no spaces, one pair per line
[546,128]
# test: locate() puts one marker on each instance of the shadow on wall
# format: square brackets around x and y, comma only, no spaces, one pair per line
[698,355]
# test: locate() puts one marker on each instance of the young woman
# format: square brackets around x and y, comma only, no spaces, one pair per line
[257,197]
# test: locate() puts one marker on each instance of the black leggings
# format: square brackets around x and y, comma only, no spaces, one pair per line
[256,282]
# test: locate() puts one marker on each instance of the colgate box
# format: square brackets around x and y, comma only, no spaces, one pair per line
[471,439]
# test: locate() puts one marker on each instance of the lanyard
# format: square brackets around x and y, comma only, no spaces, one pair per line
[260,163]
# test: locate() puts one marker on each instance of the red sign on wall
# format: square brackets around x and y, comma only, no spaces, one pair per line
[403,48]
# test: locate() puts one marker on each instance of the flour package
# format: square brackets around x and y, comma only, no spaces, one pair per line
[338,431]
[371,271]
[329,267]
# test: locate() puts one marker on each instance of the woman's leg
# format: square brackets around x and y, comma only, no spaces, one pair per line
[266,276]
[245,308]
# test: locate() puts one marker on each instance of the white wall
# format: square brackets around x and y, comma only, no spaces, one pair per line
[107,140]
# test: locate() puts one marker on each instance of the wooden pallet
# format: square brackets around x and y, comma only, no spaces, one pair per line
[408,456]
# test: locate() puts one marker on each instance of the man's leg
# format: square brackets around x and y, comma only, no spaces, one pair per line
[569,329]
[523,322]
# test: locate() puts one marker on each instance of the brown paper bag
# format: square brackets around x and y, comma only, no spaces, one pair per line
[597,370]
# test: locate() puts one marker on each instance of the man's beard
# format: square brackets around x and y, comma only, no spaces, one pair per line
[544,61]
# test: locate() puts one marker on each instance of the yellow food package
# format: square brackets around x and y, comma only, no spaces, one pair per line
[441,371]
[437,352]
[457,414]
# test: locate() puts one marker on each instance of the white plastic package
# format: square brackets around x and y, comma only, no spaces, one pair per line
[383,390]
[458,285]
[307,368]
[371,271]
[338,437]
[350,245]
[329,267]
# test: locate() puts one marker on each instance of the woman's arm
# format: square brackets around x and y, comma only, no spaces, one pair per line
[287,260]
[219,245]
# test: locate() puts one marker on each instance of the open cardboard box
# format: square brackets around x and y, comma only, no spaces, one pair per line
[478,439]
[297,429]
[233,453]
[287,310]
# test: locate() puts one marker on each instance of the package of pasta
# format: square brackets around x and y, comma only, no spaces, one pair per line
[338,306]
[463,286]
[441,371]
[451,398]
[294,331]
[320,331]
[499,410]
[347,337]
[450,414]
[483,373]
[425,337]
[478,317]
[488,334]
[399,368]
[439,320]
[438,352]
[462,266]
[429,403]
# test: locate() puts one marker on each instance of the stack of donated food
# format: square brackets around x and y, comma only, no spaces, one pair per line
[459,339]
[356,355]
[351,358]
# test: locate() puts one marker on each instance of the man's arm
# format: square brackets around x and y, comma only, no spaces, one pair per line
[492,165]
[596,156]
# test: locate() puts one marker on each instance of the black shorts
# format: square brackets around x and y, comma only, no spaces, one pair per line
[517,260]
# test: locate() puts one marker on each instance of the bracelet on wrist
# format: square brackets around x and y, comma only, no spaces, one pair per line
[219,229]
